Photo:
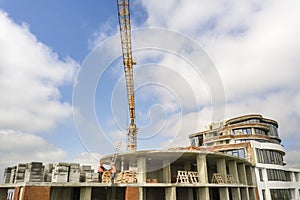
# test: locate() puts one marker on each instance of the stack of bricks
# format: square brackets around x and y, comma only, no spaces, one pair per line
[85,173]
[106,177]
[74,173]
[128,176]
[7,174]
[60,172]
[20,173]
[48,172]
[34,172]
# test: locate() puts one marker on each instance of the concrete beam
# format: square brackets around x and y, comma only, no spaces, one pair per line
[85,193]
[202,168]
[170,193]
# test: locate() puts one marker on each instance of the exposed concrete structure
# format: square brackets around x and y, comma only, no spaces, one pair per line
[174,174]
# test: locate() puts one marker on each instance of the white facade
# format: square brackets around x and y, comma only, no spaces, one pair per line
[256,139]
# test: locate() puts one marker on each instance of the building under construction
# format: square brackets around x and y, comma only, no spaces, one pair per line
[237,159]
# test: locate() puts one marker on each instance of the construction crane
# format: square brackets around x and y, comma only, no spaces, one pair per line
[125,32]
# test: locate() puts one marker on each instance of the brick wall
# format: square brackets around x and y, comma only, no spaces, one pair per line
[33,193]
[132,193]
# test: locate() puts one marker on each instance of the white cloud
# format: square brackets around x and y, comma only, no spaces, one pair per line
[31,75]
[19,147]
[255,46]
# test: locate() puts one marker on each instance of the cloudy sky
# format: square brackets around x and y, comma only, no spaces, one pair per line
[251,46]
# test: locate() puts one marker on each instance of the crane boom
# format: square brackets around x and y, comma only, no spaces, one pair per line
[125,32]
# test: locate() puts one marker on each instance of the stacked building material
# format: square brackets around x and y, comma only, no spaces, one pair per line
[34,172]
[106,177]
[128,176]
[7,174]
[60,172]
[74,173]
[91,177]
[48,172]
[84,169]
[20,173]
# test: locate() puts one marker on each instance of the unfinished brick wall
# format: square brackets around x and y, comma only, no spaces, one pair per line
[33,193]
[132,193]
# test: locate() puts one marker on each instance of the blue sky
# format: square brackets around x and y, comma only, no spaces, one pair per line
[253,47]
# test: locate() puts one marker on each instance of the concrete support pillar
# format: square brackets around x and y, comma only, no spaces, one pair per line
[242,173]
[170,193]
[142,193]
[224,194]
[232,169]
[251,194]
[236,194]
[142,170]
[85,193]
[202,169]
[166,171]
[203,193]
[244,193]
[221,168]
[250,176]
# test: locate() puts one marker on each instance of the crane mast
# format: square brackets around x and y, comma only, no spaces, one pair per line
[125,32]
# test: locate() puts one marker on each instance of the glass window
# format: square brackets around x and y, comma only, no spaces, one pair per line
[264,194]
[260,175]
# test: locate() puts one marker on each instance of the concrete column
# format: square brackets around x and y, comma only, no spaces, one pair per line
[85,193]
[203,193]
[224,194]
[202,168]
[244,193]
[142,193]
[236,194]
[251,194]
[170,193]
[242,173]
[232,168]
[142,170]
[249,175]
[166,171]
[221,167]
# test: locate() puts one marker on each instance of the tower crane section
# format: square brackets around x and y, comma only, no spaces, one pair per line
[125,32]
